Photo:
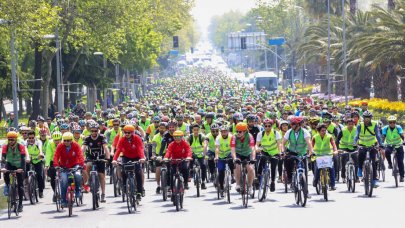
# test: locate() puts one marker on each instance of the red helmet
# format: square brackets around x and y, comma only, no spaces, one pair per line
[296,120]
[268,121]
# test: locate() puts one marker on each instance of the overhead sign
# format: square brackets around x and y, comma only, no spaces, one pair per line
[277,41]
[246,40]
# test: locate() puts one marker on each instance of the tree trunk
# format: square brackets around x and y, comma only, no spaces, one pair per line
[37,84]
[28,105]
[353,6]
[45,89]
[361,84]
[20,107]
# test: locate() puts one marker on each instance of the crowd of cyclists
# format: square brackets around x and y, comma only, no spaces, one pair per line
[203,117]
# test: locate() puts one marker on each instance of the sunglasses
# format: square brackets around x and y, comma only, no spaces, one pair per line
[293,124]
[239,132]
[215,131]
[94,131]
[67,140]
[267,125]
[177,137]
[31,137]
[157,122]
[116,125]
[11,140]
[128,133]
[391,122]
[24,133]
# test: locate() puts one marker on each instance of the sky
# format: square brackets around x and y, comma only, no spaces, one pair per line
[204,10]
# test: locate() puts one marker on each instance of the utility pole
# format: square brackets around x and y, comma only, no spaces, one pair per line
[328,55]
[14,78]
[344,52]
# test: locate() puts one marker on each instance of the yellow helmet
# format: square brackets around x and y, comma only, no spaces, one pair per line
[178,133]
[67,136]
[392,119]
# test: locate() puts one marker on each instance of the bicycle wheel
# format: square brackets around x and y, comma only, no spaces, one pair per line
[285,181]
[31,189]
[348,178]
[16,201]
[297,190]
[337,169]
[114,182]
[216,184]
[147,169]
[395,170]
[163,183]
[227,185]
[304,191]
[244,190]
[382,168]
[130,195]
[10,201]
[368,180]
[353,177]
[36,190]
[57,196]
[324,174]
[70,201]
[180,192]
[93,188]
[197,181]
[262,193]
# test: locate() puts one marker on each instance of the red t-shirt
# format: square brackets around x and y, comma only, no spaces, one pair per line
[68,159]
[251,141]
[180,150]
[130,149]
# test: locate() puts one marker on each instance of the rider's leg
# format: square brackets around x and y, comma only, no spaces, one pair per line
[388,152]
[400,159]
[251,174]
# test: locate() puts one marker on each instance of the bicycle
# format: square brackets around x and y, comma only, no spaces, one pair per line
[95,182]
[197,176]
[32,185]
[178,185]
[244,186]
[131,185]
[13,197]
[323,164]
[285,178]
[265,178]
[350,174]
[164,176]
[299,183]
[116,181]
[227,179]
[368,172]
[380,167]
[70,193]
[395,170]
[57,193]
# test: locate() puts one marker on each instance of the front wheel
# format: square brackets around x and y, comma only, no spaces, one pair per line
[395,170]
[244,190]
[163,183]
[324,177]
[57,196]
[304,191]
[10,201]
[227,185]
[31,188]
[368,179]
[70,196]
[131,204]
[262,193]
[197,181]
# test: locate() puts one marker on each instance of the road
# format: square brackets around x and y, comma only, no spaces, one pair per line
[354,209]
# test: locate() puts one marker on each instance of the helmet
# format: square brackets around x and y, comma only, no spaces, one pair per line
[327,116]
[241,127]
[314,120]
[82,123]
[110,116]
[88,114]
[67,136]
[11,129]
[367,114]
[40,118]
[123,123]
[210,115]
[60,121]
[165,119]
[94,125]
[64,126]
[130,115]
[237,116]
[156,119]
[129,128]
[355,113]
[392,119]
[224,128]
[287,108]
[150,112]
[57,135]
[179,117]
[173,123]
[214,127]
[273,115]
[251,117]
[283,122]
[12,134]
[296,120]
[58,116]
[178,133]
[76,128]
[268,121]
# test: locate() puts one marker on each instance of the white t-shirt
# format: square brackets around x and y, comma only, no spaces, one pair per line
[259,136]
[307,135]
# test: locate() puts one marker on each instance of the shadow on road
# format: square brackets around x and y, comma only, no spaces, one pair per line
[240,207]
[50,212]
[12,218]
[65,216]
[222,202]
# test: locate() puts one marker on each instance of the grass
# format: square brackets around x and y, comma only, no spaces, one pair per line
[3,200]
[22,119]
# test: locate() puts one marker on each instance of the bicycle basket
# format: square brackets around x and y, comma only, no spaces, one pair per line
[324,162]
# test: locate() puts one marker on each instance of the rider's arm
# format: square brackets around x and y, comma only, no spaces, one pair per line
[309,143]
[340,135]
[106,151]
[56,156]
[378,135]
[252,145]
[258,141]
[163,146]
[169,151]
[278,139]
[206,141]
[233,146]
[356,138]
[333,145]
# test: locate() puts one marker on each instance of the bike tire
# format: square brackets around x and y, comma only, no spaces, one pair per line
[93,188]
[163,183]
[262,193]
[10,201]
[353,178]
[181,193]
[16,200]
[245,190]
[147,169]
[58,196]
[36,191]
[70,201]
[304,191]
[228,186]
[348,178]
[368,179]
[395,170]
[382,168]
[297,191]
[197,181]
[325,184]
[31,189]
[285,181]
[130,195]
[114,182]
[216,184]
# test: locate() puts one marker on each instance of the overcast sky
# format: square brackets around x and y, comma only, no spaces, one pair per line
[205,9]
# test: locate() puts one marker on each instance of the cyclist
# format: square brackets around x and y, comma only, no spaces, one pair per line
[368,135]
[34,148]
[269,144]
[253,129]
[345,142]
[324,145]
[223,151]
[243,148]
[179,149]
[209,148]
[209,120]
[131,147]
[68,155]
[392,134]
[156,145]
[184,127]
[197,146]
[50,152]
[95,146]
[144,122]
[14,156]
[168,136]
[77,134]
[299,142]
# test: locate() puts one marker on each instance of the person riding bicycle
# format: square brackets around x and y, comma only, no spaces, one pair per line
[268,144]
[179,149]
[196,142]
[223,151]
[68,154]
[168,136]
[299,142]
[34,148]
[393,136]
[345,141]
[367,136]
[209,148]
[324,145]
[50,152]
[14,156]
[132,149]
[156,145]
[95,147]
[243,148]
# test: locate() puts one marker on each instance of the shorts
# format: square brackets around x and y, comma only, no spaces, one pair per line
[243,158]
[100,166]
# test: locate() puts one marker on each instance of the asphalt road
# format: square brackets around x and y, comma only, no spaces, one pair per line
[386,207]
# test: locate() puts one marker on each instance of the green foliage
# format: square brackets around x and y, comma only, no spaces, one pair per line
[222,25]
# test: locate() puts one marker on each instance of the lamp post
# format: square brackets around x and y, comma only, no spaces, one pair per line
[328,54]
[344,51]
[13,72]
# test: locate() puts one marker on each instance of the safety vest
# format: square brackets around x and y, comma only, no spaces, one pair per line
[211,142]
[347,140]
[299,145]
[367,137]
[14,156]
[224,146]
[393,137]
[331,129]
[144,125]
[234,128]
[158,140]
[80,141]
[322,145]
[269,143]
[313,132]
[197,147]
[207,128]
[113,133]
[34,152]
[86,132]
[243,148]
[183,128]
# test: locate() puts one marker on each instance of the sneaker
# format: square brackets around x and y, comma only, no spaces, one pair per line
[6,190]
[359,172]
[237,188]
[54,198]
[375,183]
[158,190]
[332,188]
[222,194]
[279,180]
[203,186]
[389,166]
[86,188]
[41,195]
[20,207]
[63,205]
[401,179]
[250,192]
[186,186]
[272,187]
[138,197]
[102,200]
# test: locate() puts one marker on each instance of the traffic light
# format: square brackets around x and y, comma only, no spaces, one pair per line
[175,41]
[305,72]
[243,43]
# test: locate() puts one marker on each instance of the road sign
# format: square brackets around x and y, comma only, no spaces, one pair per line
[174,52]
[277,41]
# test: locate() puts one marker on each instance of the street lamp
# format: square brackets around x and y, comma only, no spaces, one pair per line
[344,51]
[13,72]
[328,54]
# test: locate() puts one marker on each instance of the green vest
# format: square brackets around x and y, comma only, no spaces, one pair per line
[144,125]
[243,148]
[211,142]
[14,157]
[269,143]
[158,140]
[347,140]
[224,146]
[207,128]
[34,152]
[197,147]
[86,132]
[331,129]
[50,152]
[298,146]
[80,141]
[393,137]
[152,132]
[365,137]
[113,133]
[322,145]
[183,128]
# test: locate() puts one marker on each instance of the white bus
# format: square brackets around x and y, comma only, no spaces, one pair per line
[267,80]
